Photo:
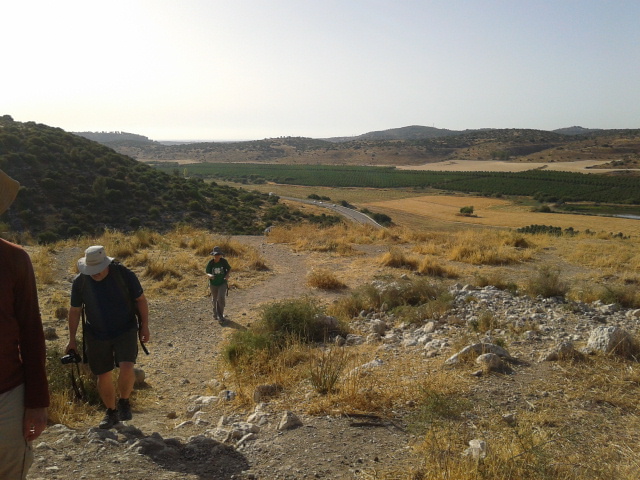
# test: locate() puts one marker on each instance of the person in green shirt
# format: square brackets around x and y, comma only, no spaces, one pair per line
[218,272]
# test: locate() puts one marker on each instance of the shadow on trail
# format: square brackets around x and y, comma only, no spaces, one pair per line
[200,455]
[232,324]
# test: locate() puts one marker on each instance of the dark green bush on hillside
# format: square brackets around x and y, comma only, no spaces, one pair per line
[382,219]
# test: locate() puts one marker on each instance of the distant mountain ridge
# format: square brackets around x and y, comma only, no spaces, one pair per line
[411,145]
[411,132]
[418,132]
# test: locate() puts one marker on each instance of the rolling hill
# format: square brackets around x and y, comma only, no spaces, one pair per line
[73,186]
[412,145]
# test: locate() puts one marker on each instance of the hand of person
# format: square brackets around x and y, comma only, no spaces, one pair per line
[33,423]
[144,334]
[71,346]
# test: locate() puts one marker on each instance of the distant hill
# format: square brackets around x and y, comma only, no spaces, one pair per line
[413,145]
[577,130]
[73,186]
[116,138]
[414,132]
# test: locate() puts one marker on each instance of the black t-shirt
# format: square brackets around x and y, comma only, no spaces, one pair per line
[109,310]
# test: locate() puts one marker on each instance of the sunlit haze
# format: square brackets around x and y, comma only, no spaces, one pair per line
[240,69]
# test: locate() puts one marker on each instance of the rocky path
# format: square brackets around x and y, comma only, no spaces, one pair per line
[164,440]
[184,427]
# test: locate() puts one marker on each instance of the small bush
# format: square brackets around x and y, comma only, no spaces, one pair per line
[326,368]
[428,266]
[486,321]
[496,280]
[547,283]
[253,261]
[413,300]
[396,258]
[298,318]
[244,344]
[365,297]
[324,280]
[160,270]
[466,211]
[626,296]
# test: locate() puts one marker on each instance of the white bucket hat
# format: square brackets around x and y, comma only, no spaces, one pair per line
[94,261]
[8,191]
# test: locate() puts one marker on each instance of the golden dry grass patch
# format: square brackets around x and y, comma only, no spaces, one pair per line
[500,213]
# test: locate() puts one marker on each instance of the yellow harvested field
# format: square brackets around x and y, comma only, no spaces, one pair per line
[582,166]
[500,213]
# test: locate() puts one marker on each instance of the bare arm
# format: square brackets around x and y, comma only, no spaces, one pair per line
[143,309]
[74,321]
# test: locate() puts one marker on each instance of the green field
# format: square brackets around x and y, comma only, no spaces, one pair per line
[545,186]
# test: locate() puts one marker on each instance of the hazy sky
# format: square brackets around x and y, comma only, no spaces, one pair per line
[252,69]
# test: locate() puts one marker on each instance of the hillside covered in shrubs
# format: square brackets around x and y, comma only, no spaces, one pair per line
[73,186]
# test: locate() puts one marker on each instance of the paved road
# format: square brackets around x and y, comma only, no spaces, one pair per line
[349,213]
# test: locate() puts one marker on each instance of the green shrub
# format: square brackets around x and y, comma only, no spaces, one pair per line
[281,323]
[244,344]
[297,318]
[467,211]
[411,300]
[626,296]
[547,283]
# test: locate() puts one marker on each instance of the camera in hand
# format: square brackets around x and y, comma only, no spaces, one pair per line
[71,357]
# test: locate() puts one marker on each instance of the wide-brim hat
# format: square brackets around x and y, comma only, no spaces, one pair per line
[94,261]
[8,191]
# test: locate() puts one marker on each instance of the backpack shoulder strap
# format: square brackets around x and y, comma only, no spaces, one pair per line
[119,276]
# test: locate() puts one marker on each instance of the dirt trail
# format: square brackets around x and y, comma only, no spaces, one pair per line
[186,343]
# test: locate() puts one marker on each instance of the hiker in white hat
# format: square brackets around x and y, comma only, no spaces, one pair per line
[24,391]
[117,316]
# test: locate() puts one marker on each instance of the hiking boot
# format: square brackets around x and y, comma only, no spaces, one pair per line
[124,409]
[110,419]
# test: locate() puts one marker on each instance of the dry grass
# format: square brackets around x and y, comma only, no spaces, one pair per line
[309,238]
[575,420]
[324,279]
[434,268]
[43,265]
[548,440]
[396,258]
[496,213]
[605,254]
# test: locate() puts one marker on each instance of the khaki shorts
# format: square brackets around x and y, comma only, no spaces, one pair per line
[16,455]
[105,355]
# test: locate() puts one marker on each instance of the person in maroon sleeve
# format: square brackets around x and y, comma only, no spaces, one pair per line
[24,391]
